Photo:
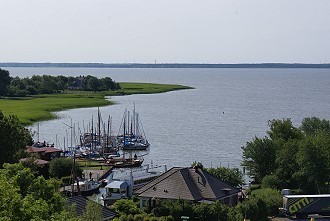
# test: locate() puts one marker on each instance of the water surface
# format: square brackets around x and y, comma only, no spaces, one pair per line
[210,124]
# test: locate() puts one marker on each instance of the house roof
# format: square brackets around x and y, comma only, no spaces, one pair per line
[31,149]
[81,203]
[187,183]
[116,184]
[37,161]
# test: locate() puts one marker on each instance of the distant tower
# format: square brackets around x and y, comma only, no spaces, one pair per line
[155,61]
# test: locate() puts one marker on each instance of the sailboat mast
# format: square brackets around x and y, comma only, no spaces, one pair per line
[38,134]
[108,132]
[134,125]
[103,139]
[92,136]
[137,125]
[128,122]
[99,125]
[110,127]
[124,129]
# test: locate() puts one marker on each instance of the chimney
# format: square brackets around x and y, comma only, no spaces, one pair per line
[196,168]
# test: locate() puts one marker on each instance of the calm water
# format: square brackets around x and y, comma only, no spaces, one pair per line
[209,124]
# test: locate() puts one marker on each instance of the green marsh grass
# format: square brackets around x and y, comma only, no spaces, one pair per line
[38,108]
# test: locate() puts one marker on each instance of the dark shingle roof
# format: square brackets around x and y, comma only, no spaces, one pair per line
[81,203]
[187,183]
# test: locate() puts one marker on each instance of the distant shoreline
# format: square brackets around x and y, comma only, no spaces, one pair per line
[164,65]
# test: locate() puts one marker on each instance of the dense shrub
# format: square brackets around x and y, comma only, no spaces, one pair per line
[271,198]
[62,167]
[271,181]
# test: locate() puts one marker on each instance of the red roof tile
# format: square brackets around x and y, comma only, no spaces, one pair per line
[31,149]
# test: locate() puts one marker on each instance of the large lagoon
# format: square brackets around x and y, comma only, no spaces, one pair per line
[210,123]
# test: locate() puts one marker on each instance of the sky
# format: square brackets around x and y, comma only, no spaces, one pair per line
[165,31]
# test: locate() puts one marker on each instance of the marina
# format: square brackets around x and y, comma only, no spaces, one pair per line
[208,124]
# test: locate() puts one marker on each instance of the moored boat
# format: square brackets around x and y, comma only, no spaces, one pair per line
[120,162]
[83,187]
[131,135]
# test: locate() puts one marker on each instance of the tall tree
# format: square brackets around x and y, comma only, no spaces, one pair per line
[4,82]
[259,157]
[13,138]
[313,159]
[312,125]
[286,164]
[283,130]
[26,197]
[61,167]
[231,176]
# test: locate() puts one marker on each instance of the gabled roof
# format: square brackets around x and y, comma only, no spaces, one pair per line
[116,184]
[31,149]
[187,183]
[81,203]
[37,161]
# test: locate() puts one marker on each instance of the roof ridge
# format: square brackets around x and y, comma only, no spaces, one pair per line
[218,179]
[161,179]
[207,179]
[194,183]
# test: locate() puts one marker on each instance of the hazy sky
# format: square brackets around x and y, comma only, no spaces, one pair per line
[169,31]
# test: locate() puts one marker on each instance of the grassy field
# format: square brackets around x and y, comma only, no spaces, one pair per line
[39,108]
[92,165]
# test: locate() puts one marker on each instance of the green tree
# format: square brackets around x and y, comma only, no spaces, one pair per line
[232,176]
[92,83]
[219,211]
[26,197]
[287,165]
[62,167]
[313,159]
[312,125]
[271,181]
[20,176]
[175,208]
[13,139]
[283,130]
[271,198]
[259,158]
[93,211]
[4,82]
[253,209]
[124,206]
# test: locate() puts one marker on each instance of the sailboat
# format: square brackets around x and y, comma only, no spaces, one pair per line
[120,162]
[81,186]
[131,136]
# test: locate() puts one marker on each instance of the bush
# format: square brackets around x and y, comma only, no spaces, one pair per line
[272,199]
[253,209]
[126,207]
[62,167]
[271,181]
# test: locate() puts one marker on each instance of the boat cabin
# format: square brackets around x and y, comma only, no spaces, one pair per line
[116,190]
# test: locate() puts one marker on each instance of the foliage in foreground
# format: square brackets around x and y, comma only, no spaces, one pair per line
[26,197]
[254,208]
[291,157]
[13,139]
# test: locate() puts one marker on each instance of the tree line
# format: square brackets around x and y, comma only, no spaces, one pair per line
[47,84]
[291,157]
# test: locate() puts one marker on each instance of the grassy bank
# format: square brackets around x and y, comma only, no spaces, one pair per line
[39,108]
